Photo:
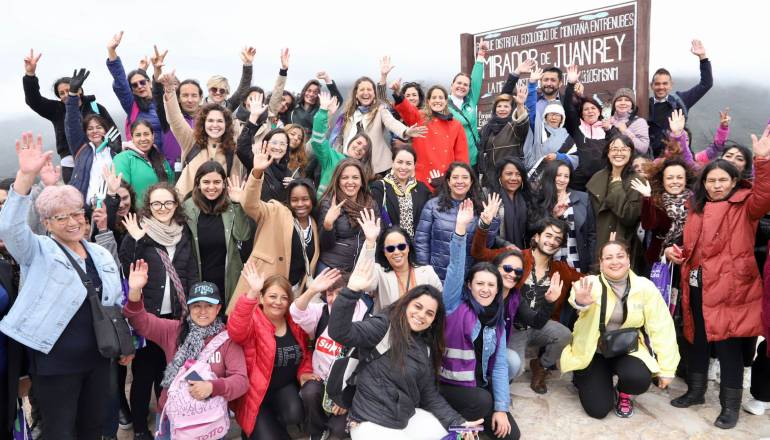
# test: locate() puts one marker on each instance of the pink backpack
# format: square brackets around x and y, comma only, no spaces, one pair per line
[192,419]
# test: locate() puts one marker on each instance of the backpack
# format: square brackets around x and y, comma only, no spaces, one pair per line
[341,383]
[192,419]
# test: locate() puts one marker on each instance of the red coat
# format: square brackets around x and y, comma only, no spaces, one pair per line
[732,287]
[249,327]
[444,143]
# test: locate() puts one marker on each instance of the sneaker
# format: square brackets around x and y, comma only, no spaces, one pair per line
[746,378]
[756,407]
[624,407]
[124,420]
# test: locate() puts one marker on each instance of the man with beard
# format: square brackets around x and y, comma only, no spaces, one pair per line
[550,84]
[544,286]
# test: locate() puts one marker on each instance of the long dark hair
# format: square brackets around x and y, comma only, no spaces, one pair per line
[156,158]
[474,193]
[485,266]
[220,204]
[748,170]
[363,199]
[628,169]
[700,195]
[382,260]
[418,88]
[546,197]
[401,334]
[525,190]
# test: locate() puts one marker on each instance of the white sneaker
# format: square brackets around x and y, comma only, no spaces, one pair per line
[747,378]
[756,407]
[713,373]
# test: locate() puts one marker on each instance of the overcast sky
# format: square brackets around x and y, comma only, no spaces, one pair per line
[346,38]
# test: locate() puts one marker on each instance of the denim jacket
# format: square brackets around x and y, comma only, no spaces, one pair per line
[51,290]
[494,338]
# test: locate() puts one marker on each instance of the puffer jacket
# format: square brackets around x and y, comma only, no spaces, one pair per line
[127,100]
[387,394]
[434,233]
[249,327]
[732,288]
[340,246]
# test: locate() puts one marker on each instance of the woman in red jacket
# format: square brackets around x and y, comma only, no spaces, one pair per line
[721,286]
[277,358]
[445,140]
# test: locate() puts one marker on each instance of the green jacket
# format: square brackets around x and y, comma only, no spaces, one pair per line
[328,157]
[238,228]
[468,114]
[138,172]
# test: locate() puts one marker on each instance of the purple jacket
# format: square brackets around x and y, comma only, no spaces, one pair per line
[511,306]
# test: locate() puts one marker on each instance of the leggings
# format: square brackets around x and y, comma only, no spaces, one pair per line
[312,394]
[72,404]
[729,351]
[475,403]
[760,374]
[594,383]
[147,367]
[279,409]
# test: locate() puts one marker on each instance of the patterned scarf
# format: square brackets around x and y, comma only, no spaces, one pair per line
[191,347]
[675,208]
[405,204]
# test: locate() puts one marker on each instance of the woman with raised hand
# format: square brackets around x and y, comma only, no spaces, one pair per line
[584,125]
[399,196]
[158,234]
[627,301]
[474,371]
[721,286]
[617,208]
[664,205]
[325,414]
[186,338]
[308,103]
[142,164]
[555,199]
[366,113]
[219,88]
[286,235]
[211,138]
[437,221]
[444,140]
[359,147]
[504,134]
[277,358]
[340,209]
[134,91]
[218,226]
[517,197]
[396,393]
[463,101]
[52,315]
[88,142]
[395,269]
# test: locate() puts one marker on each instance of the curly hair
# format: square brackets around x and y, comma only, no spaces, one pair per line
[146,211]
[199,132]
[656,177]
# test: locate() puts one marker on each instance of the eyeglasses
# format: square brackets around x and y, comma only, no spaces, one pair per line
[168,204]
[507,268]
[392,248]
[140,83]
[619,149]
[277,143]
[62,219]
[217,91]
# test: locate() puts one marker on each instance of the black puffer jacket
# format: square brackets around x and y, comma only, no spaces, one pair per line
[185,263]
[386,394]
[341,245]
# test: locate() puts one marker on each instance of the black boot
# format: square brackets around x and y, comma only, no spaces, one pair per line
[730,398]
[696,391]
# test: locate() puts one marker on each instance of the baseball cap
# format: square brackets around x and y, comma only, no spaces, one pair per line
[204,291]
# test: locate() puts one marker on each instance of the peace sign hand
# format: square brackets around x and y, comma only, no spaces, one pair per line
[158,59]
[335,209]
[725,118]
[30,62]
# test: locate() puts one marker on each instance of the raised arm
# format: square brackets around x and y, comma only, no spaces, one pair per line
[362,334]
[183,133]
[720,137]
[247,57]
[251,201]
[318,140]
[73,119]
[510,85]
[120,84]
[477,75]
[276,96]
[47,108]
[758,203]
[692,96]
[455,274]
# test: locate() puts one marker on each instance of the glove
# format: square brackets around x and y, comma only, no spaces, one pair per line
[77,80]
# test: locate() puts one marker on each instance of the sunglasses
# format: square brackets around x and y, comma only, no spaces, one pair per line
[217,91]
[392,248]
[140,83]
[507,268]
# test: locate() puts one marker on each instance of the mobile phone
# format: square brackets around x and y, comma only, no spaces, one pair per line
[463,428]
[193,376]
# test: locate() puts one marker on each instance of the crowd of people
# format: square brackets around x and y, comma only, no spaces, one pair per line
[374,266]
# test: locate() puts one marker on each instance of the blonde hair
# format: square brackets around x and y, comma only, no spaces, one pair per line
[218,81]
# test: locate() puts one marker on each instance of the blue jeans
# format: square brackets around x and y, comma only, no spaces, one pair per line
[514,364]
[166,435]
